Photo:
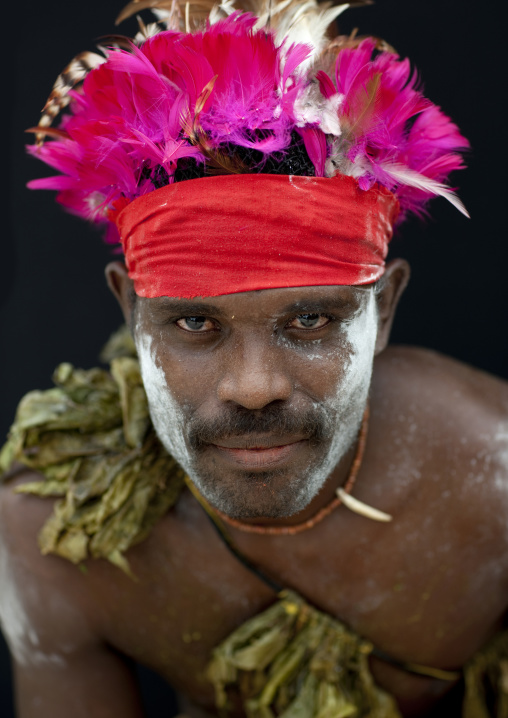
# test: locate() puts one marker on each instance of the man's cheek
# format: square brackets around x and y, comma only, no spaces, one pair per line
[166,413]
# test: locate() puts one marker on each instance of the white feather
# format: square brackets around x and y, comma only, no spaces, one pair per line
[161,14]
[218,12]
[305,23]
[311,108]
[404,175]
[146,31]
[308,25]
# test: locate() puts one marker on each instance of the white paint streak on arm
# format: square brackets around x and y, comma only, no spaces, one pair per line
[21,636]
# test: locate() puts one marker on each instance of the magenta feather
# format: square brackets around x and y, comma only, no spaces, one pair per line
[128,115]
[387,122]
[316,147]
[148,107]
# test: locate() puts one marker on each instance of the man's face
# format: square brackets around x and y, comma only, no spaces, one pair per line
[258,395]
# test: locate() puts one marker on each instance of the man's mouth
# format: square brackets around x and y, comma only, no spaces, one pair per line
[251,452]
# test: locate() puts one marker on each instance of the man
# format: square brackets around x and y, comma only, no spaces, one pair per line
[257,363]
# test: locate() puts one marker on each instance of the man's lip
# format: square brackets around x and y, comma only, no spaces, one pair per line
[252,442]
[259,457]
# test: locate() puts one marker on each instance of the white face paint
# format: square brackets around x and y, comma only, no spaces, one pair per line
[344,407]
[167,415]
[347,404]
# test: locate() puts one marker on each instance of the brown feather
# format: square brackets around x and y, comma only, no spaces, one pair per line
[199,10]
[203,97]
[114,40]
[368,106]
[343,42]
[327,59]
[274,13]
[74,73]
[217,162]
[138,5]
[49,131]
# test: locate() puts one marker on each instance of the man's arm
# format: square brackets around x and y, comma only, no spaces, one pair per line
[51,621]
[91,682]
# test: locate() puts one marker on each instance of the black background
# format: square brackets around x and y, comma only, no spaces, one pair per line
[55,306]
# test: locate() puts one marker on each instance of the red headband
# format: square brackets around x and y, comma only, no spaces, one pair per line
[237,233]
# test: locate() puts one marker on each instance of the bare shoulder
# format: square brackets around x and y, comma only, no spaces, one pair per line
[51,620]
[45,606]
[466,403]
[426,371]
[453,419]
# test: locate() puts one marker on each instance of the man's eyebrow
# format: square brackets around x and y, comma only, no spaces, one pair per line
[317,306]
[183,307]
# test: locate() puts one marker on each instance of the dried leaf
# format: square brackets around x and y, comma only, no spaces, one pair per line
[136,419]
[484,679]
[320,670]
[304,704]
[259,653]
[91,439]
[120,344]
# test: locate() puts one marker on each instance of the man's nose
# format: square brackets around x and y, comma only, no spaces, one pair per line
[254,375]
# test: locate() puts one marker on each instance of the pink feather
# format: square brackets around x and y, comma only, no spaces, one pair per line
[316,146]
[128,115]
[387,122]
[137,112]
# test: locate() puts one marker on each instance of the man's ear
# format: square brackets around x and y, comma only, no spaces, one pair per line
[388,292]
[122,287]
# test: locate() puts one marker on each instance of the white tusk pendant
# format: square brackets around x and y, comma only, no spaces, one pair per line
[358,507]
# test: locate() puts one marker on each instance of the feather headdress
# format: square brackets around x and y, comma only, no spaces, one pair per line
[222,89]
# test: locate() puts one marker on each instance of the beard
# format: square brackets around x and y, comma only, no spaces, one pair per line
[276,493]
[329,428]
[273,494]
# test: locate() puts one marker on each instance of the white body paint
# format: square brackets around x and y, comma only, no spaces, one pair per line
[501,458]
[344,407]
[15,623]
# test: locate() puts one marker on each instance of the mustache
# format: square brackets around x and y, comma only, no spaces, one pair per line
[314,423]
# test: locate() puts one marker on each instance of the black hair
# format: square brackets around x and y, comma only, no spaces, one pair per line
[293,160]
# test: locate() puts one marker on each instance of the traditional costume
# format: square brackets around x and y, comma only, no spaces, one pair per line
[228,152]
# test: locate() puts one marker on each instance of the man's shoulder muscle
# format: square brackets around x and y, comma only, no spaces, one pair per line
[430,386]
[43,599]
[51,620]
[452,421]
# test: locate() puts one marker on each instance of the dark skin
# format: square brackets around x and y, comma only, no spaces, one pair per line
[429,587]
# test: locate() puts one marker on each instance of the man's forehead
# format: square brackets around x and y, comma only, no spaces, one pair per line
[280,300]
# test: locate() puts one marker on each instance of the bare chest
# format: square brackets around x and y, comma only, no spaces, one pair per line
[419,594]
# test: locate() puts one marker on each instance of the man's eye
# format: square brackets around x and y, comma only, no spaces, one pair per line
[195,324]
[309,321]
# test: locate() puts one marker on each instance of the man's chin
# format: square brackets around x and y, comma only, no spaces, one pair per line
[270,495]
